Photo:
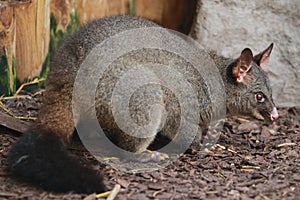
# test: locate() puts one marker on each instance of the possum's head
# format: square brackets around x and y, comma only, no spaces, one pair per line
[248,87]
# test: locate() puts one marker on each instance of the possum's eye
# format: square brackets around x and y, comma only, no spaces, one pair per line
[259,97]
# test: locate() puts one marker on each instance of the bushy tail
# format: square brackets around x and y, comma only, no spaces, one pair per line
[41,159]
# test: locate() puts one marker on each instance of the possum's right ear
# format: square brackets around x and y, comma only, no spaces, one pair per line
[263,57]
[243,65]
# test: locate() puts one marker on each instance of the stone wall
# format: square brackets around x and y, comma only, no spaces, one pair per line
[229,26]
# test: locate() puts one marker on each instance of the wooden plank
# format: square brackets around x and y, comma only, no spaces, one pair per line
[179,14]
[33,35]
[92,9]
[13,123]
[62,9]
[173,14]
[150,9]
[87,9]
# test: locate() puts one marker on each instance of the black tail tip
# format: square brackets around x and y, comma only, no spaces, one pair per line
[42,160]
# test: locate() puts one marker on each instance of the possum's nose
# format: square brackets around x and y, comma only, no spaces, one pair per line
[274,114]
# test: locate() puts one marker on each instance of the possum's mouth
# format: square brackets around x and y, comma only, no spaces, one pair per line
[259,115]
[267,116]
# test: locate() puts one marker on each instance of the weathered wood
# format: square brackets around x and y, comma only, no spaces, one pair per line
[11,3]
[7,46]
[32,30]
[150,9]
[28,36]
[173,14]
[92,9]
[13,123]
[179,14]
[61,9]
[87,10]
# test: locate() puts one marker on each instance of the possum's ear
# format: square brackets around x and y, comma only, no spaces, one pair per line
[263,57]
[243,65]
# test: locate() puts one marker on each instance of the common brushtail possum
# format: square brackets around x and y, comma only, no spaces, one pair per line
[40,155]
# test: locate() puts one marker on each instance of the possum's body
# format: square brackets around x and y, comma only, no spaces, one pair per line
[40,156]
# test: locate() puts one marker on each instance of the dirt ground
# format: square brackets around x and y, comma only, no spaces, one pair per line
[259,161]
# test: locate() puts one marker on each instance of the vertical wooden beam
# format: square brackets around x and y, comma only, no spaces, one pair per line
[150,9]
[33,31]
[179,14]
[27,34]
[173,14]
[91,9]
[61,10]
[87,9]
[69,14]
[7,49]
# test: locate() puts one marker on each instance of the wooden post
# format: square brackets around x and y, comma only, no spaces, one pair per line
[179,14]
[25,26]
[7,50]
[150,9]
[87,10]
[92,9]
[32,41]
[173,14]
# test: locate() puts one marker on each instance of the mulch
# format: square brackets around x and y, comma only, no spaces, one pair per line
[252,160]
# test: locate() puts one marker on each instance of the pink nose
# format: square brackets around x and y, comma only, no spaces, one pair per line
[274,114]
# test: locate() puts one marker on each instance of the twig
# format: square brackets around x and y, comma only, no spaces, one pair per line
[287,144]
[5,109]
[249,183]
[225,148]
[220,146]
[247,170]
[102,195]
[157,192]
[243,120]
[7,194]
[21,96]
[35,81]
[232,151]
[250,167]
[15,97]
[26,118]
[38,92]
[114,192]
[142,169]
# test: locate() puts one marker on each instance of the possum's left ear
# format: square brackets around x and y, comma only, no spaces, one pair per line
[243,65]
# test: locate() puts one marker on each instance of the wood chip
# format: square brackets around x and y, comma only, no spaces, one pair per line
[157,192]
[287,144]
[114,192]
[220,146]
[102,195]
[90,197]
[243,120]
[8,194]
[123,183]
[250,167]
